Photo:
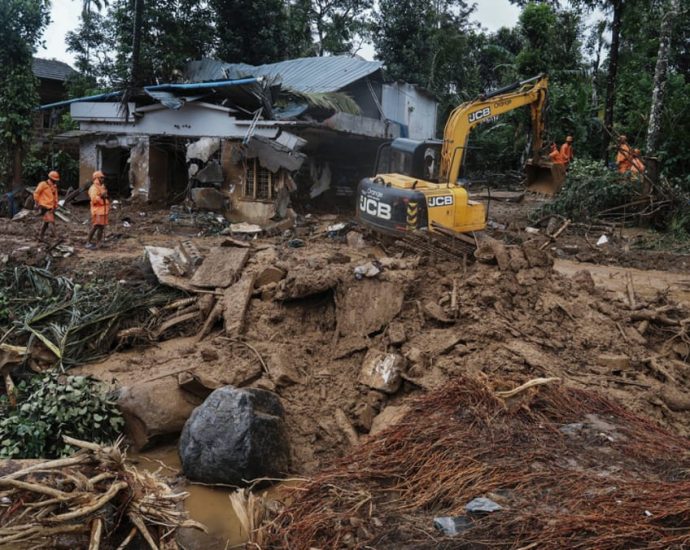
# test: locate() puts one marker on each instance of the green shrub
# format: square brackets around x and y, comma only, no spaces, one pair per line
[54,405]
[590,188]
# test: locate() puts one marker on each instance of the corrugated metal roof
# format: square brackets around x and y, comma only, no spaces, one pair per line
[305,74]
[51,69]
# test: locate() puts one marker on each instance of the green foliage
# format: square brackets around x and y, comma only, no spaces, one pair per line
[251,31]
[77,323]
[39,162]
[21,25]
[54,405]
[590,188]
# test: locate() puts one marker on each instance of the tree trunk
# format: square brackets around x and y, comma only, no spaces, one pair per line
[136,42]
[660,73]
[611,77]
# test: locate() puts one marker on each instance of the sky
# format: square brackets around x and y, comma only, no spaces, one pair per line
[492,14]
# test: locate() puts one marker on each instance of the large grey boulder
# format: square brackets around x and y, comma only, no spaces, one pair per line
[235,435]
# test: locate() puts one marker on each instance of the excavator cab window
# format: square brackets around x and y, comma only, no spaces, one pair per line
[417,159]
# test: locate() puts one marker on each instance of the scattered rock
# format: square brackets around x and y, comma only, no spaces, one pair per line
[675,399]
[271,274]
[364,414]
[381,371]
[482,505]
[345,426]
[235,436]
[388,417]
[155,408]
[355,240]
[396,333]
[282,372]
[614,361]
[367,306]
[434,311]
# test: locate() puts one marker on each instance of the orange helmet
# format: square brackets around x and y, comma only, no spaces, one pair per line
[98,175]
[53,175]
[569,139]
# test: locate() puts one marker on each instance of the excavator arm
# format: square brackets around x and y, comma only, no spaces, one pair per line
[465,117]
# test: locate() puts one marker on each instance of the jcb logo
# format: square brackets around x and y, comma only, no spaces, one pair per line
[480,114]
[443,200]
[375,208]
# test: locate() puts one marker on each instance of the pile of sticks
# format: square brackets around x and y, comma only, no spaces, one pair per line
[570,468]
[87,499]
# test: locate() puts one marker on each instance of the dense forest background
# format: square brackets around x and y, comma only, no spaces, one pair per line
[615,66]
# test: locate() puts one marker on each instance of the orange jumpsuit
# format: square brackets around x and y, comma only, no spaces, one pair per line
[46,197]
[638,166]
[624,158]
[100,207]
[555,156]
[567,153]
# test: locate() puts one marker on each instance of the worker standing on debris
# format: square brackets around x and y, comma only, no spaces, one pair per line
[100,207]
[46,198]
[555,155]
[567,151]
[624,155]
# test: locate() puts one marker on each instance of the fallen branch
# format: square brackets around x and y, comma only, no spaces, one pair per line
[525,386]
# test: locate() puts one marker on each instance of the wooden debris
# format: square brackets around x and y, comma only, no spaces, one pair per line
[236,299]
[221,267]
[215,315]
[42,509]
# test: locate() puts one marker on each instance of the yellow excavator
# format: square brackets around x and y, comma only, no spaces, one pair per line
[417,185]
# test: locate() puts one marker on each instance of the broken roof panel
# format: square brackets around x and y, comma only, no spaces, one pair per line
[51,69]
[305,74]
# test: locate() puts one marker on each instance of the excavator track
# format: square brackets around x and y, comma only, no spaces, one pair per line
[442,243]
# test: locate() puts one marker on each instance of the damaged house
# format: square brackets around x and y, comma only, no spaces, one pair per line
[242,140]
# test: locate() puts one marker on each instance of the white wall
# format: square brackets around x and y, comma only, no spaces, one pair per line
[405,104]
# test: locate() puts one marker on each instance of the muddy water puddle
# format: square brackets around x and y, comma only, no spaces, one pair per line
[208,505]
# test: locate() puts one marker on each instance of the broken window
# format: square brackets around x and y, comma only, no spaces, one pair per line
[258,181]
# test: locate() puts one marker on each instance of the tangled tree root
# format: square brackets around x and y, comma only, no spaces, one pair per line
[90,496]
[570,468]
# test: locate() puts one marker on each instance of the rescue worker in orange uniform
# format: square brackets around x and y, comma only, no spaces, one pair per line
[46,199]
[624,155]
[100,207]
[637,165]
[567,151]
[555,155]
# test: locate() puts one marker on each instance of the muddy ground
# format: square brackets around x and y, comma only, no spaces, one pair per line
[610,318]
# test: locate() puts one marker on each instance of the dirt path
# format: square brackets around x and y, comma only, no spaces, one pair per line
[647,283]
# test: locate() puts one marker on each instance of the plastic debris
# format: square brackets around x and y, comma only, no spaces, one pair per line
[370,269]
[482,505]
[532,230]
[452,526]
[602,240]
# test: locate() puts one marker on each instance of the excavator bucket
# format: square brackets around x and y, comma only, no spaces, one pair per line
[544,177]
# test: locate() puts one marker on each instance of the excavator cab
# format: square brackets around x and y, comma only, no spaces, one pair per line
[410,157]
